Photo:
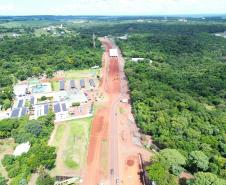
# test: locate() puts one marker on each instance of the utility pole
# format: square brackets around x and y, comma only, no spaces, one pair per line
[94,40]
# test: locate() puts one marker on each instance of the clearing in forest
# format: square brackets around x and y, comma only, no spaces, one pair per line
[71,140]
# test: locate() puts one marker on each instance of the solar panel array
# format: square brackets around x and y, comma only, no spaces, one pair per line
[61,85]
[63,107]
[57,108]
[23,112]
[15,113]
[32,100]
[20,104]
[72,83]
[46,109]
[82,83]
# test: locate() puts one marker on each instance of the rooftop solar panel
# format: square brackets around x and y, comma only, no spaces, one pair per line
[61,85]
[64,108]
[15,113]
[57,108]
[82,83]
[32,100]
[20,104]
[23,112]
[72,83]
[46,109]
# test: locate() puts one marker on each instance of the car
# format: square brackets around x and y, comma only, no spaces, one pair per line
[117,181]
[112,171]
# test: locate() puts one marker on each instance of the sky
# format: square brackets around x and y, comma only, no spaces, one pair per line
[111,7]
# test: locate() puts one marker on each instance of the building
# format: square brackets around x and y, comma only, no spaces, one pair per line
[19,112]
[82,83]
[113,53]
[62,84]
[72,84]
[137,59]
[41,110]
[60,110]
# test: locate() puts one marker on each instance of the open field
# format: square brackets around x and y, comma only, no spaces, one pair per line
[78,74]
[71,140]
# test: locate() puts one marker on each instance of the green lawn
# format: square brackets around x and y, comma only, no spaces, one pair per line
[78,74]
[55,85]
[71,140]
[77,143]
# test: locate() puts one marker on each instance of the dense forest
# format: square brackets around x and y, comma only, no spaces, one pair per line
[29,56]
[180,99]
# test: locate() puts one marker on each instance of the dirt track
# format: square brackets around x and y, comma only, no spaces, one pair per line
[110,125]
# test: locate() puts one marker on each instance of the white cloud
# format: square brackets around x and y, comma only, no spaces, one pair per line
[112,7]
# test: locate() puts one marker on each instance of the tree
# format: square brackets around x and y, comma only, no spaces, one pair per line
[3,181]
[198,161]
[158,173]
[202,178]
[6,104]
[34,127]
[45,180]
[173,160]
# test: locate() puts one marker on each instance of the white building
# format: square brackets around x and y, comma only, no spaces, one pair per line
[113,53]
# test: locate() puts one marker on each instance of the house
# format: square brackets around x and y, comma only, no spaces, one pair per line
[60,110]
[113,53]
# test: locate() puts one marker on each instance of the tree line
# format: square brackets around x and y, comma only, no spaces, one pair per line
[179,99]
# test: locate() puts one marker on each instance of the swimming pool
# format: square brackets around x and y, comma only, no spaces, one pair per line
[40,88]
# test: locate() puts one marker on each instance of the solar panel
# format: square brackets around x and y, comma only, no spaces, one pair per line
[15,113]
[20,104]
[32,100]
[72,83]
[23,112]
[64,108]
[46,109]
[57,108]
[82,83]
[61,85]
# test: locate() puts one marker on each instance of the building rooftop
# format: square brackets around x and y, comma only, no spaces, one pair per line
[113,52]
[62,85]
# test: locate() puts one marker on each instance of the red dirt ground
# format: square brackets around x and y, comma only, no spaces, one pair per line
[99,131]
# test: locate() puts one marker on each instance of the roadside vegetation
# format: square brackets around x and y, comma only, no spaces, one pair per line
[179,99]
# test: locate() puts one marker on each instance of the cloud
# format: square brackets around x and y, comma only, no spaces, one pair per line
[112,7]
